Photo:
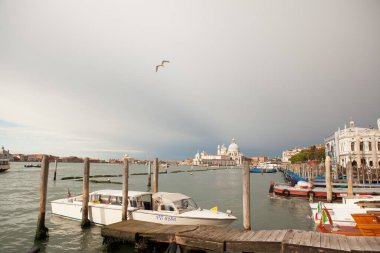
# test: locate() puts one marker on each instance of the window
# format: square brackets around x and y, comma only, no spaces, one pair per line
[370,146]
[378,146]
[361,146]
[352,146]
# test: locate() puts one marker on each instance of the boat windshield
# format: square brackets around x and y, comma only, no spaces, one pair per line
[185,205]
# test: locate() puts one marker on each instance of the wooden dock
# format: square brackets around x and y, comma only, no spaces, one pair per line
[224,239]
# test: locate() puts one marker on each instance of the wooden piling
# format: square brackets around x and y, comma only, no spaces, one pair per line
[149,174]
[328,179]
[55,170]
[155,176]
[350,191]
[246,197]
[86,193]
[124,212]
[42,230]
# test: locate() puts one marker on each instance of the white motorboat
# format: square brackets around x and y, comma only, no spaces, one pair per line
[4,165]
[162,207]
[341,212]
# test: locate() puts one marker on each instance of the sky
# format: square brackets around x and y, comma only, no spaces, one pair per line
[78,77]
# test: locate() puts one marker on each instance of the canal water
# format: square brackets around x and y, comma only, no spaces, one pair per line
[19,203]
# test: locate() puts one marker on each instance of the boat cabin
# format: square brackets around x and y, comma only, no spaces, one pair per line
[4,162]
[173,202]
[163,201]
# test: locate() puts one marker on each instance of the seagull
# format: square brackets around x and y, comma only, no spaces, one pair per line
[162,64]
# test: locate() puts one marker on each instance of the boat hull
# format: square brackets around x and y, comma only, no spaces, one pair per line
[320,193]
[258,170]
[105,214]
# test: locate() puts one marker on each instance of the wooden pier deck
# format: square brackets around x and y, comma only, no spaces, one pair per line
[224,239]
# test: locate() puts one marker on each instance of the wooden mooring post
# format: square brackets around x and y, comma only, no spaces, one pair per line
[55,170]
[124,213]
[155,176]
[86,193]
[246,197]
[149,174]
[349,174]
[42,230]
[328,179]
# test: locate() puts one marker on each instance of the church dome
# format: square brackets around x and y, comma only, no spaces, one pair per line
[233,147]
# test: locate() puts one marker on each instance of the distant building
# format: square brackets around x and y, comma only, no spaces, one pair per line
[224,156]
[4,154]
[359,145]
[287,154]
[130,159]
[255,160]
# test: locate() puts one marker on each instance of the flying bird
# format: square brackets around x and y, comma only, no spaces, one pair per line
[162,64]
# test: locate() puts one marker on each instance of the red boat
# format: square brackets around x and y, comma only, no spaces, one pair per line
[311,193]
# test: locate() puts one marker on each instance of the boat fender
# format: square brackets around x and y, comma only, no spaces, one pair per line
[286,192]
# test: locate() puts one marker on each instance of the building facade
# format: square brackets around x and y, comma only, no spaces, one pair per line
[359,145]
[230,156]
[4,154]
[287,154]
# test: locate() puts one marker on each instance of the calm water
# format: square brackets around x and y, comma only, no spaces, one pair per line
[223,188]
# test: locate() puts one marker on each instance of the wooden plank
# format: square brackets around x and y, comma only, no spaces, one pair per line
[281,235]
[315,240]
[354,244]
[256,236]
[288,237]
[343,243]
[199,243]
[273,235]
[296,238]
[364,244]
[325,241]
[373,243]
[247,234]
[306,238]
[233,234]
[217,235]
[334,241]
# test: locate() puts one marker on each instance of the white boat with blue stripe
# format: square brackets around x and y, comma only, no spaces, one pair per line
[162,207]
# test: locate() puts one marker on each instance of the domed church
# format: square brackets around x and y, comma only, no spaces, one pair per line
[233,151]
[224,157]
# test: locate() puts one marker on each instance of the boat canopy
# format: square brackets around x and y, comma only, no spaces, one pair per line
[167,197]
[118,193]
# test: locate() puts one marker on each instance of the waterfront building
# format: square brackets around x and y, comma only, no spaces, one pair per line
[287,154]
[230,156]
[359,145]
[4,154]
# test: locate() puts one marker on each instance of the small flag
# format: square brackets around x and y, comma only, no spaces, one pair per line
[319,207]
[214,209]
[324,216]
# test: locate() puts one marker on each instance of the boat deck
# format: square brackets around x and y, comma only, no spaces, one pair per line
[223,239]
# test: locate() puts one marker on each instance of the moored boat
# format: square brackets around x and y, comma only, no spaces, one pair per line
[4,165]
[32,166]
[262,170]
[162,207]
[307,191]
[367,224]
[341,213]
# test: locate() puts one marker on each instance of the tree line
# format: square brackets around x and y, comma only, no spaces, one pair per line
[311,153]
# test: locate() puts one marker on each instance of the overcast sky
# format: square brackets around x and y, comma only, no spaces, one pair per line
[78,77]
